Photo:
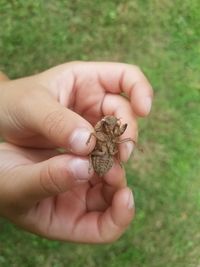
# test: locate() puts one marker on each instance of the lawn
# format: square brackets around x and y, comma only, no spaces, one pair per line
[163,38]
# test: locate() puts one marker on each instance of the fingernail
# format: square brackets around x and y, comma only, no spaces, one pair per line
[127,150]
[131,202]
[148,103]
[80,169]
[78,140]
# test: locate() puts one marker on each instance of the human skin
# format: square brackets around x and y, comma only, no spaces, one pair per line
[51,193]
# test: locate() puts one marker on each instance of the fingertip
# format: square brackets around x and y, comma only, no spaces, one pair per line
[118,216]
[126,149]
[145,106]
[80,169]
[123,207]
[131,201]
[115,177]
[147,103]
[124,198]
[70,171]
[80,142]
[141,103]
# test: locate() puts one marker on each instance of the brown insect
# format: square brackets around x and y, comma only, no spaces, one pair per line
[107,133]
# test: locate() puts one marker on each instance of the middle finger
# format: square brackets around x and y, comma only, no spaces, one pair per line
[120,107]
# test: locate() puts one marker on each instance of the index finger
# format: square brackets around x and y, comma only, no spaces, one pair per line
[129,79]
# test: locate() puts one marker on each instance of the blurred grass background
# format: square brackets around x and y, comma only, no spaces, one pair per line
[163,38]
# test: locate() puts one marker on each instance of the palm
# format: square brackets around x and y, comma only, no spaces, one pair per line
[74,215]
[80,214]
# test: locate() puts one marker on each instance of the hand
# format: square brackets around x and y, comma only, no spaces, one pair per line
[59,106]
[40,192]
[40,189]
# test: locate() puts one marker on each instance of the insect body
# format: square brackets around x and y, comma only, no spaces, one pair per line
[107,133]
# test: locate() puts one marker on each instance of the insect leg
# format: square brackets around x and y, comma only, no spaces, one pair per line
[90,164]
[130,140]
[126,140]
[89,138]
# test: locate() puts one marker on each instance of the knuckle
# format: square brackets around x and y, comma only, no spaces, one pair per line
[48,181]
[137,69]
[54,123]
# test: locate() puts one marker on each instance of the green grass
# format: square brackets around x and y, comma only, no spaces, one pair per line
[163,38]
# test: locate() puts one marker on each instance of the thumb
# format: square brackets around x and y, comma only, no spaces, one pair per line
[49,178]
[62,126]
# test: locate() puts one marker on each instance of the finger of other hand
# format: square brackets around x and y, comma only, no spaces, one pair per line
[54,176]
[120,107]
[119,78]
[106,227]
